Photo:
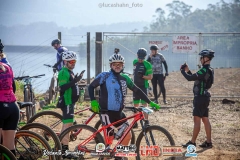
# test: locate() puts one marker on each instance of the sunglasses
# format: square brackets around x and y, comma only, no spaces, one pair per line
[72,61]
[117,64]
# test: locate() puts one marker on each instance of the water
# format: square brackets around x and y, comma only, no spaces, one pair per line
[29,60]
[24,62]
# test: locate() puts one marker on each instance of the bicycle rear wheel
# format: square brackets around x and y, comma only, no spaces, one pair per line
[6,154]
[46,133]
[155,135]
[76,139]
[30,145]
[49,118]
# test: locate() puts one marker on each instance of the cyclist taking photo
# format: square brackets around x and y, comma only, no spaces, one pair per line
[9,114]
[203,81]
[157,59]
[113,91]
[56,43]
[69,94]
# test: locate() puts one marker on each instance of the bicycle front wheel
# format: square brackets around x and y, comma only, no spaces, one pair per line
[6,154]
[30,145]
[157,136]
[75,139]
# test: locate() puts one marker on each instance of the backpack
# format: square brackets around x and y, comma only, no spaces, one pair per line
[209,78]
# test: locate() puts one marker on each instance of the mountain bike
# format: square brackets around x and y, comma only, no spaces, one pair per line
[53,88]
[84,138]
[54,120]
[28,93]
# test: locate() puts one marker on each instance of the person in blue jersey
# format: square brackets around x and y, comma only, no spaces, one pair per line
[113,91]
[56,43]
[203,80]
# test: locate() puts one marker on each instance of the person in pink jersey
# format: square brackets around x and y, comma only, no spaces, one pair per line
[9,112]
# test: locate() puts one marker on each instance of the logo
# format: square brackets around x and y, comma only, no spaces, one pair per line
[150,151]
[126,151]
[100,151]
[100,147]
[191,149]
[172,151]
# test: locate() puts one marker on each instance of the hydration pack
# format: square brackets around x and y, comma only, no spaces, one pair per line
[209,78]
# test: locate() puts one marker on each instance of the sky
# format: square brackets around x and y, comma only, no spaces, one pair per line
[73,13]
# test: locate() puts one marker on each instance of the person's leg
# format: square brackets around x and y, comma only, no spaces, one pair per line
[9,139]
[196,128]
[162,87]
[1,135]
[208,128]
[154,86]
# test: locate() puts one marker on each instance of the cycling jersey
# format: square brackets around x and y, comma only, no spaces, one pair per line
[113,90]
[60,50]
[70,95]
[203,80]
[6,84]
[144,68]
[4,60]
[156,62]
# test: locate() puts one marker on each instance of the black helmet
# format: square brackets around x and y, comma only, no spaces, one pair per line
[154,47]
[1,46]
[141,53]
[116,50]
[207,53]
[56,41]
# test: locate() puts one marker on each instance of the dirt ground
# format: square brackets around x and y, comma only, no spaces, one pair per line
[177,117]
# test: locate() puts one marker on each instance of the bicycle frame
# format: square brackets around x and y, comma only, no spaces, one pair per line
[137,117]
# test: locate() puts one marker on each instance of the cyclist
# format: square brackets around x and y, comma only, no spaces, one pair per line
[69,94]
[113,91]
[56,43]
[203,81]
[142,72]
[9,112]
[157,59]
[3,57]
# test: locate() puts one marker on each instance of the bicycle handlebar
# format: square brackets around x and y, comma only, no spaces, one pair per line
[48,65]
[24,77]
[20,78]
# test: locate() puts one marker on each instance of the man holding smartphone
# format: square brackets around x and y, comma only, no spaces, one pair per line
[69,94]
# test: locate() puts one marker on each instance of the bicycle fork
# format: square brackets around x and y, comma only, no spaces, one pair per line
[145,134]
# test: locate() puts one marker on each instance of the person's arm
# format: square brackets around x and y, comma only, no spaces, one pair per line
[63,79]
[192,77]
[165,66]
[95,83]
[135,89]
[149,71]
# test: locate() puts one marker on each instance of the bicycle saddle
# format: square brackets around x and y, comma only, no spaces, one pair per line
[24,104]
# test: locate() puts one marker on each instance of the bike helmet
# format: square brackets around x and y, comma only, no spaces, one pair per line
[116,50]
[207,53]
[69,55]
[56,41]
[116,58]
[141,53]
[154,47]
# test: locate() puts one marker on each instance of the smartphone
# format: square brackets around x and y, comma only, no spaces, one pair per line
[82,72]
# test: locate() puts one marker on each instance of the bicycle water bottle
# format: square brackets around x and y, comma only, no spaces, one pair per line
[121,130]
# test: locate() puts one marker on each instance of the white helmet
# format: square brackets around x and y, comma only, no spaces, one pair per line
[116,58]
[69,55]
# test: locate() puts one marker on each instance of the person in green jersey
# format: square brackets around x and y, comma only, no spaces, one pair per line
[69,94]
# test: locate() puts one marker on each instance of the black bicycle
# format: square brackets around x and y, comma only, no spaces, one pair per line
[29,93]
[53,88]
